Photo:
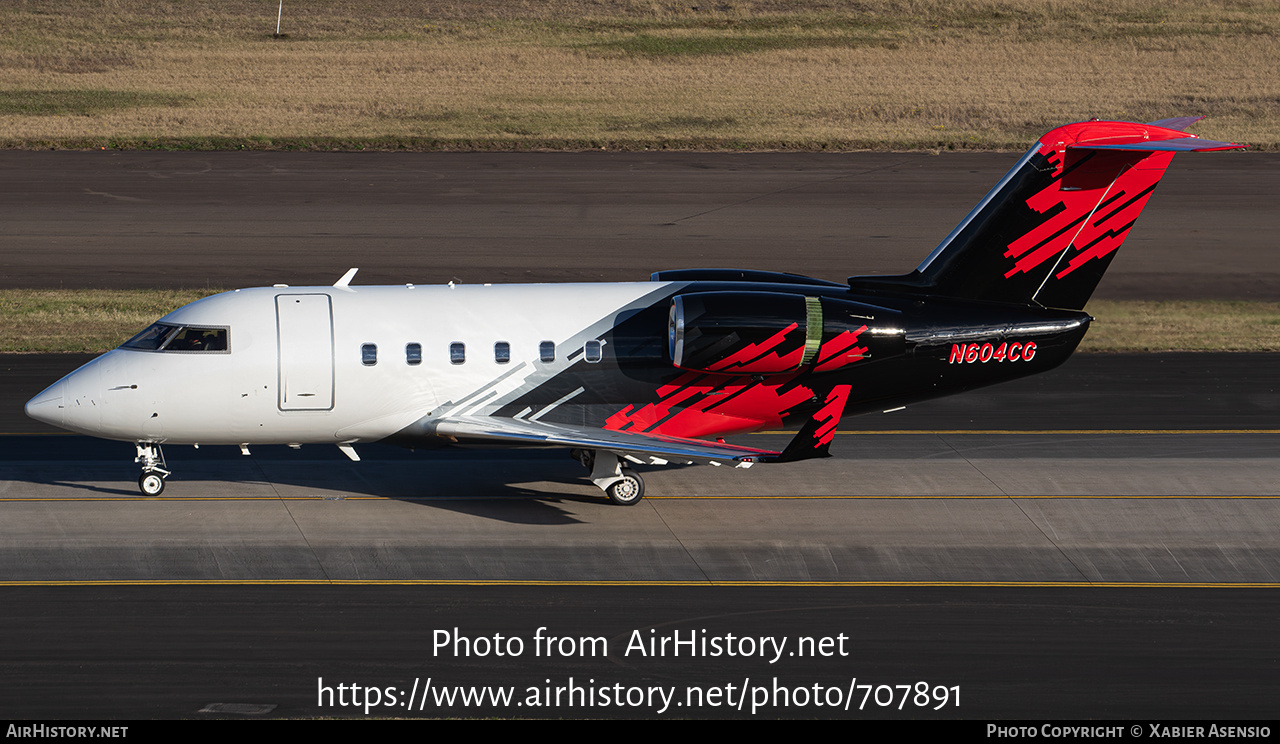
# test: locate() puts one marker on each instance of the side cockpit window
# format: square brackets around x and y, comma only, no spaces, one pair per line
[167,337]
[198,339]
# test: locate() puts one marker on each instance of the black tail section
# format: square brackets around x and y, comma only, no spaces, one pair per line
[1047,232]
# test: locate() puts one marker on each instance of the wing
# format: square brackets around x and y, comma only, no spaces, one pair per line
[489,430]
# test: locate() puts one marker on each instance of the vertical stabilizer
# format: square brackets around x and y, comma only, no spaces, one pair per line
[1049,229]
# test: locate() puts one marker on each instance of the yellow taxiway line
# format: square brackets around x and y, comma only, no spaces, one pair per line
[652,583]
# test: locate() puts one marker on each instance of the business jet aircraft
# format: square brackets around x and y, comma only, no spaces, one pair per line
[649,372]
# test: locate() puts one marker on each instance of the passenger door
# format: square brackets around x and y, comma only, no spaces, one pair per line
[304,334]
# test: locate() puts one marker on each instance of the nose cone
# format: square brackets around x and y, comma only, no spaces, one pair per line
[48,406]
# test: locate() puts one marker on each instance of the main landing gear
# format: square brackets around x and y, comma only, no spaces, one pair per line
[154,469]
[621,484]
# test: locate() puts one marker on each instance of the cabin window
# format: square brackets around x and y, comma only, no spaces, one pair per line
[457,352]
[413,354]
[592,351]
[369,354]
[502,352]
[547,351]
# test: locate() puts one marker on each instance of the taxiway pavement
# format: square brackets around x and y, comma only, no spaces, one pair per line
[1112,469]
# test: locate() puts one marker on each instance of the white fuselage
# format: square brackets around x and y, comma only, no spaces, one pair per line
[335,364]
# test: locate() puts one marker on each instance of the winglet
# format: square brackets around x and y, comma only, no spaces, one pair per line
[814,438]
[345,281]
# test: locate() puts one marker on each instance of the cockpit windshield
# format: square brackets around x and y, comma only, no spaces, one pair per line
[176,338]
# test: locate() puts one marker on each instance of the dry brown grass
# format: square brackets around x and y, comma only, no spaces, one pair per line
[624,73]
[82,320]
[1183,326]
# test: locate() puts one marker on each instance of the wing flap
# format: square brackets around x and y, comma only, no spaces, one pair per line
[488,430]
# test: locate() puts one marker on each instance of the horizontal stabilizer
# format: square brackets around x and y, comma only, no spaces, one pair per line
[1179,123]
[1182,144]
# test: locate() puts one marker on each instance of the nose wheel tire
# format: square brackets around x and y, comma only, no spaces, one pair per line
[629,490]
[151,484]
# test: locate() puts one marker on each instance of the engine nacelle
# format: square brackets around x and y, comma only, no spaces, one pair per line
[776,333]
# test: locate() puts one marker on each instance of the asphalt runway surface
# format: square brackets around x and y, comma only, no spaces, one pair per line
[1097,542]
[138,219]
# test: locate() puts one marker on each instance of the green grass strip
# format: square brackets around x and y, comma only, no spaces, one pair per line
[82,102]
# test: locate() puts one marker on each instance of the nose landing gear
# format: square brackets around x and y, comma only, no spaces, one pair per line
[151,483]
[154,469]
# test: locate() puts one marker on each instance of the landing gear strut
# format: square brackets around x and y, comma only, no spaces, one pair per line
[154,469]
[621,484]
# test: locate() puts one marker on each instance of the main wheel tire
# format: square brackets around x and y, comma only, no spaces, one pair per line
[629,490]
[151,484]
